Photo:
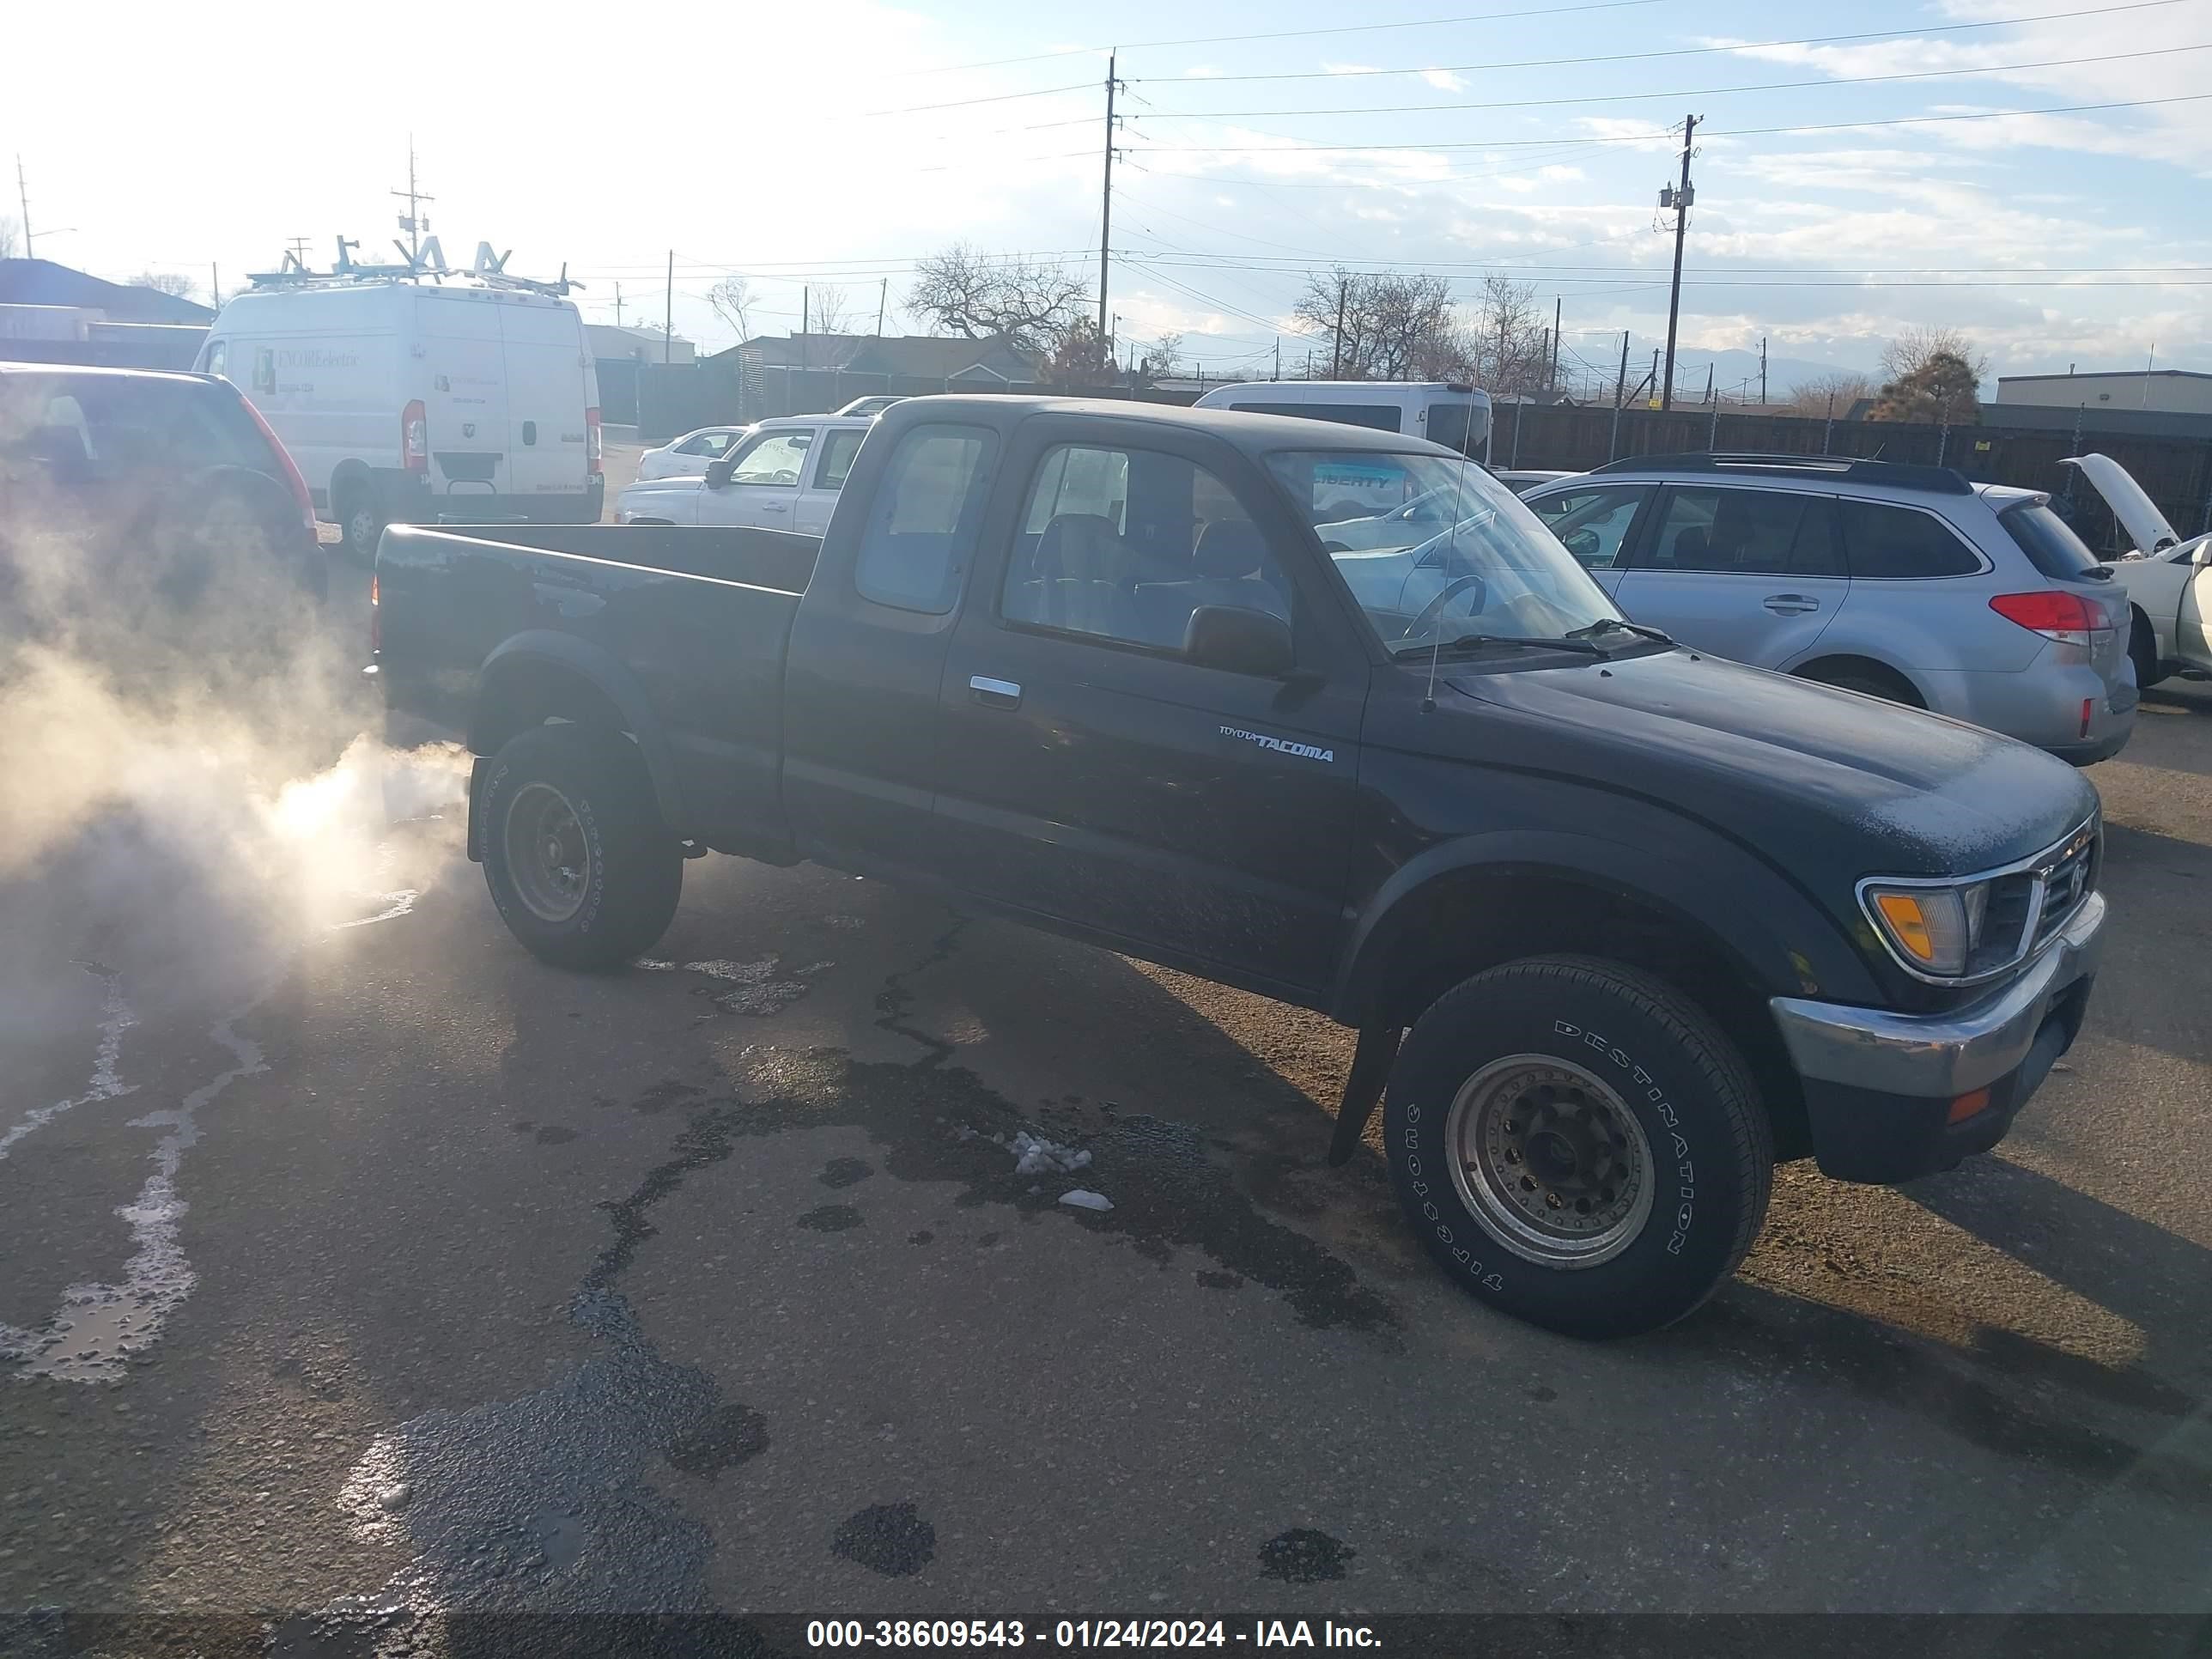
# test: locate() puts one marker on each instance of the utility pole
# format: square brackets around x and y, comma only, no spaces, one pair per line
[1106,196]
[668,315]
[1336,349]
[299,253]
[1620,397]
[618,303]
[1708,382]
[1668,401]
[23,195]
[215,285]
[1279,356]
[1679,199]
[1551,380]
[805,323]
[416,222]
[1762,369]
[882,300]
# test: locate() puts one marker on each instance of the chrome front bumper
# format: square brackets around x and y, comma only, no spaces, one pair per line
[1940,1055]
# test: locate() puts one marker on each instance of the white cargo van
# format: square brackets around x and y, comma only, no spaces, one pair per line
[404,399]
[1448,412]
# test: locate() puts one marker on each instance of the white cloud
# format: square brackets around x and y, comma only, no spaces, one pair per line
[1350,69]
[1443,80]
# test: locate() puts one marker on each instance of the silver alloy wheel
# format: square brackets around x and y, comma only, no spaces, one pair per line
[546,853]
[1551,1159]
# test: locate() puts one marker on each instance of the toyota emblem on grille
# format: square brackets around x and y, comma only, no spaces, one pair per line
[468,429]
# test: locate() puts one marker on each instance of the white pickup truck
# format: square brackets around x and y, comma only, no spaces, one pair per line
[785,475]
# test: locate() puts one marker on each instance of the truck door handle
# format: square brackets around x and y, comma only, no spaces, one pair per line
[995,694]
[1791,605]
[775,507]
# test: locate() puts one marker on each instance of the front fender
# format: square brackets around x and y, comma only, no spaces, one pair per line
[541,651]
[1779,940]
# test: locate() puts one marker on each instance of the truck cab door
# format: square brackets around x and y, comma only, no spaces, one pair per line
[1090,772]
[867,653]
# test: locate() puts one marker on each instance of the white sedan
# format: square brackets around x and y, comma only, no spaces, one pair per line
[2168,579]
[687,457]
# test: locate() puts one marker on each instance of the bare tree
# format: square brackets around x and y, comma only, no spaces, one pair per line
[1385,326]
[1029,304]
[10,239]
[1161,359]
[828,310]
[1830,393]
[732,299]
[1511,348]
[163,282]
[1918,346]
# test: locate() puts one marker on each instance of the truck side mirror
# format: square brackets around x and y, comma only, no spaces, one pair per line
[2202,558]
[718,474]
[1241,641]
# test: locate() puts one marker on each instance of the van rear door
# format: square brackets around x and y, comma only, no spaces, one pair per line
[465,403]
[546,396]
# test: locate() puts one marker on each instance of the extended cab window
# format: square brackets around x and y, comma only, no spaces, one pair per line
[774,458]
[921,528]
[838,449]
[1903,541]
[1592,523]
[1124,544]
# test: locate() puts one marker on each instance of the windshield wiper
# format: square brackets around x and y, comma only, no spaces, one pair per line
[1604,622]
[1467,642]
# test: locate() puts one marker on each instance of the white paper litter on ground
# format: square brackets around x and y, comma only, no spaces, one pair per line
[1034,1155]
[1083,1198]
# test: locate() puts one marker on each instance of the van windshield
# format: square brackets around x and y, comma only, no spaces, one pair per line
[1436,550]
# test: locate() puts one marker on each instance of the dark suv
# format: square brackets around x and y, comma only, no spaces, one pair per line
[174,478]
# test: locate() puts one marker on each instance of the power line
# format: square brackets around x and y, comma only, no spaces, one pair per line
[1691,91]
[1672,52]
[1299,147]
[995,98]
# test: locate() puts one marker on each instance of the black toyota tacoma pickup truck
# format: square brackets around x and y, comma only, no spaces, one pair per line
[1619,926]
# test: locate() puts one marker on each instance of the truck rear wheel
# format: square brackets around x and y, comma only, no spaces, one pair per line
[1578,1145]
[582,870]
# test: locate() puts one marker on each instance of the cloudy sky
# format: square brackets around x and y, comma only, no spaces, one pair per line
[829,145]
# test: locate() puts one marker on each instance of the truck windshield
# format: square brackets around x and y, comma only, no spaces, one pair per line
[1436,550]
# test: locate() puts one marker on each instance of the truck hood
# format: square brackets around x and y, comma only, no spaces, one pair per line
[1797,769]
[2138,514]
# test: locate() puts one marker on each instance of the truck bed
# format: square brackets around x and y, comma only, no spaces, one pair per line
[689,627]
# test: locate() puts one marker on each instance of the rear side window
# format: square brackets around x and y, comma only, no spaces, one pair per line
[923,523]
[96,426]
[1743,533]
[2051,546]
[1902,541]
[838,449]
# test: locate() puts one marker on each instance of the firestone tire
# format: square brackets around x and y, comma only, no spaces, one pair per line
[1578,1145]
[583,871]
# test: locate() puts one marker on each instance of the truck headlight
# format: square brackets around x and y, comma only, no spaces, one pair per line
[1935,929]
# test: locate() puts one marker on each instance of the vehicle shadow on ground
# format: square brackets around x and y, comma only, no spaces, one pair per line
[2154,1279]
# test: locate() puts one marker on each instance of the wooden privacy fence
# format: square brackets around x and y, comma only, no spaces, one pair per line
[2175,472]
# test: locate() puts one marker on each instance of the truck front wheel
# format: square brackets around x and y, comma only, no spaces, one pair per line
[1578,1145]
[583,871]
